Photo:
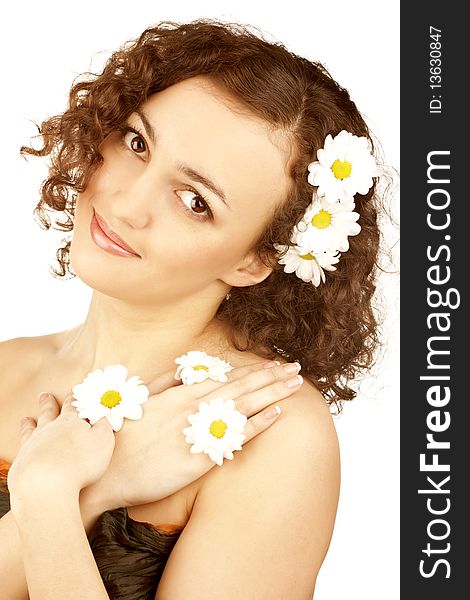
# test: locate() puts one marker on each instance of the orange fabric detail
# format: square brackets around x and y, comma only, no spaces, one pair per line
[167,527]
[4,467]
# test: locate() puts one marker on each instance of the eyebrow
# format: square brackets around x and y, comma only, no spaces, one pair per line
[187,170]
[205,181]
[147,125]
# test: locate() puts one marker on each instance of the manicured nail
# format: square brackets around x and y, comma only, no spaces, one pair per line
[291,367]
[272,412]
[294,382]
[270,364]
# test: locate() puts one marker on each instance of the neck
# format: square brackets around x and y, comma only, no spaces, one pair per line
[144,339]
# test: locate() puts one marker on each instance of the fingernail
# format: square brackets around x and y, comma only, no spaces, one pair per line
[270,364]
[43,396]
[272,412]
[292,367]
[295,381]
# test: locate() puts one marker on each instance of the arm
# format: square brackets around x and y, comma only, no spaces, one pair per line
[45,506]
[18,359]
[261,526]
[55,568]
[12,573]
[255,388]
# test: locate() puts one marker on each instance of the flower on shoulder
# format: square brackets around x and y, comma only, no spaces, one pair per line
[197,366]
[345,167]
[108,393]
[306,264]
[216,430]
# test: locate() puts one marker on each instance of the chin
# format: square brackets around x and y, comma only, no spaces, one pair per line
[97,272]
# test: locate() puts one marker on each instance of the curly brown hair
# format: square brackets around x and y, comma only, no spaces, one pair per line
[331,330]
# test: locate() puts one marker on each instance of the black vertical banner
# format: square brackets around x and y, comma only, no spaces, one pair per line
[435,245]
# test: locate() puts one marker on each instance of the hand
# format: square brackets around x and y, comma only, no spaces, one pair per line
[151,459]
[60,454]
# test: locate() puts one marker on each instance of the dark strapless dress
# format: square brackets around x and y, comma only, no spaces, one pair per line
[130,555]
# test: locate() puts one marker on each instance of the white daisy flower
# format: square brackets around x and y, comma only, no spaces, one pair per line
[306,264]
[345,167]
[110,394]
[216,430]
[196,366]
[326,226]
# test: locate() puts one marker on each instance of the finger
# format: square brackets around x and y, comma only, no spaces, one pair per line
[260,422]
[162,383]
[67,405]
[273,384]
[168,380]
[27,426]
[207,386]
[68,409]
[239,372]
[48,409]
[103,428]
[252,403]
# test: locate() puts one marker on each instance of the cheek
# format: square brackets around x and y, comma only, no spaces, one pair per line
[198,256]
[201,253]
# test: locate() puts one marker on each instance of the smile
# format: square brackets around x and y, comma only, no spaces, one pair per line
[107,239]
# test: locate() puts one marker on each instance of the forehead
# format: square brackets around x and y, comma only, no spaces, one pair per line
[198,124]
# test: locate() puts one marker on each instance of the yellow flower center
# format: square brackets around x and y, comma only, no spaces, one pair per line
[341,169]
[201,368]
[218,428]
[322,219]
[111,398]
[308,256]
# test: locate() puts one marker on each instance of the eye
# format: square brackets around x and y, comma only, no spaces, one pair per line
[195,203]
[135,141]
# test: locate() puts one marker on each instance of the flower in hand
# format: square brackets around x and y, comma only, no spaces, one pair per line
[216,430]
[196,367]
[108,393]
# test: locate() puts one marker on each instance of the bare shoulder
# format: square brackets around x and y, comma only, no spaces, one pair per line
[263,521]
[27,350]
[20,358]
[302,442]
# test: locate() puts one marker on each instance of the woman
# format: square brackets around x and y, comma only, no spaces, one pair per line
[186,171]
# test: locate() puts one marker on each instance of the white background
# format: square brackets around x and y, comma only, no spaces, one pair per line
[43,45]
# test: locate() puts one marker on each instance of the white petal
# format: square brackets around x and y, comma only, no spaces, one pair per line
[196,448]
[135,393]
[135,380]
[115,419]
[132,411]
[216,456]
[116,372]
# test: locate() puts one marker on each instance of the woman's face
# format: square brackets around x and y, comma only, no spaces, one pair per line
[189,187]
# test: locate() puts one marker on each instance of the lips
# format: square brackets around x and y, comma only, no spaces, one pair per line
[108,239]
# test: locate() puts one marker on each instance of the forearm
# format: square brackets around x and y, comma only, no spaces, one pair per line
[11,563]
[55,552]
[12,573]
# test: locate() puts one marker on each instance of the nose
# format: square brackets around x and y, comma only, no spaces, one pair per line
[133,202]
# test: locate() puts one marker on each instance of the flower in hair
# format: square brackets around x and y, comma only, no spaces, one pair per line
[108,393]
[345,167]
[307,265]
[326,226]
[217,430]
[196,366]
